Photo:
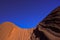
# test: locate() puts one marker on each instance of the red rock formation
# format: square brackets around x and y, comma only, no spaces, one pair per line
[9,31]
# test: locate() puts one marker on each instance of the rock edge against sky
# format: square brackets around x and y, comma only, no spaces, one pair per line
[49,28]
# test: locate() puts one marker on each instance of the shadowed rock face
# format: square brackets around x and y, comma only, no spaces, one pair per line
[49,28]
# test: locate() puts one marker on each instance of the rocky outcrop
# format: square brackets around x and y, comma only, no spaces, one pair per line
[9,31]
[49,28]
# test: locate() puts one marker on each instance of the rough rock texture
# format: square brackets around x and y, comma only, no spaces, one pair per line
[9,31]
[49,28]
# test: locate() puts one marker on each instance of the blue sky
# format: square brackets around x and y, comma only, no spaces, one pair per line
[26,13]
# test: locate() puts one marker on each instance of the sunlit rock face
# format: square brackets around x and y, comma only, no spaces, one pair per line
[9,31]
[49,28]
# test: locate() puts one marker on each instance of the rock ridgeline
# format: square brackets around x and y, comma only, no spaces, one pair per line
[48,29]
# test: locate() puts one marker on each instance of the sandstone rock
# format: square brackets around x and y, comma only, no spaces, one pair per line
[9,31]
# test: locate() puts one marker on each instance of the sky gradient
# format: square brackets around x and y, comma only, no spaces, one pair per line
[26,13]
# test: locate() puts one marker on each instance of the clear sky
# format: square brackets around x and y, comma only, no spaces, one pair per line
[26,13]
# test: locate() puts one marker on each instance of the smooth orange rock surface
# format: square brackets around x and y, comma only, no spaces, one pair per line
[9,31]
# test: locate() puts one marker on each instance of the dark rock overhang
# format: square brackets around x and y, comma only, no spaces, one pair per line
[51,23]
